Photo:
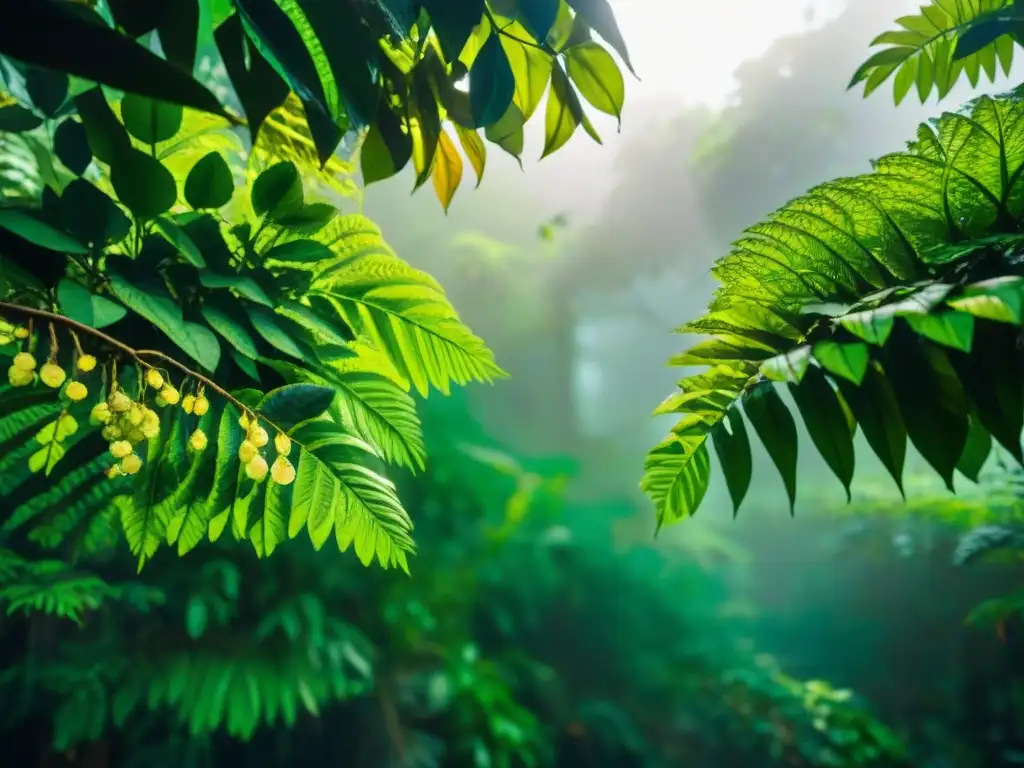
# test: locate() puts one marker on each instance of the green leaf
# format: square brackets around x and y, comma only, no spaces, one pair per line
[599,16]
[38,232]
[231,329]
[597,77]
[270,329]
[492,85]
[403,311]
[15,118]
[209,183]
[143,184]
[245,286]
[733,450]
[294,403]
[563,113]
[849,361]
[453,21]
[1000,300]
[48,89]
[260,89]
[182,243]
[149,120]
[932,401]
[874,406]
[61,37]
[197,341]
[538,16]
[776,429]
[976,450]
[87,308]
[676,476]
[874,327]
[789,366]
[950,329]
[71,145]
[277,191]
[826,423]
[294,252]
[90,215]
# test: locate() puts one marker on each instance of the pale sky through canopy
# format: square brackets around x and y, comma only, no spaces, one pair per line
[688,49]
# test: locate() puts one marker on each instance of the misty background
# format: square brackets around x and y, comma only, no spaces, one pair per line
[740,107]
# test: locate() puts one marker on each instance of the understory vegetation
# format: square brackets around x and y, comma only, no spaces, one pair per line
[257,507]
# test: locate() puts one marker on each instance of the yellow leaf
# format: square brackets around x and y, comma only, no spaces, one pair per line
[447,170]
[475,150]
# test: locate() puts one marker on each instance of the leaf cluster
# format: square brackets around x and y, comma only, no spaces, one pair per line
[399,70]
[889,302]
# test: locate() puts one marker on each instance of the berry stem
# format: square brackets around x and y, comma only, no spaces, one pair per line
[135,354]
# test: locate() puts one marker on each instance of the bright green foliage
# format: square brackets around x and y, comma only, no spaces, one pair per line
[394,68]
[256,280]
[891,302]
[947,39]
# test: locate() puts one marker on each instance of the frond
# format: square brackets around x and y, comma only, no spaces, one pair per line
[890,302]
[403,311]
[947,39]
[183,495]
[284,136]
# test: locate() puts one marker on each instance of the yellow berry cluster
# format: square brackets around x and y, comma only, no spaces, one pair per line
[22,372]
[281,472]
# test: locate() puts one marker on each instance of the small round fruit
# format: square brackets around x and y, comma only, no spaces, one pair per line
[258,436]
[76,391]
[247,452]
[21,333]
[131,464]
[120,449]
[282,444]
[119,402]
[170,395]
[135,414]
[19,377]
[159,401]
[135,435]
[282,471]
[243,420]
[115,471]
[86,363]
[150,429]
[52,375]
[100,414]
[24,361]
[198,441]
[201,406]
[112,432]
[256,469]
[154,379]
[188,402]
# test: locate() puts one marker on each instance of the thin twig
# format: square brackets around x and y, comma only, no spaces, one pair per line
[135,354]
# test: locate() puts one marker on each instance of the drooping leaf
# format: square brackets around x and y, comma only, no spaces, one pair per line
[775,427]
[826,423]
[209,184]
[733,449]
[143,184]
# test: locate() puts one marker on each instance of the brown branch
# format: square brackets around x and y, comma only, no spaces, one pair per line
[135,354]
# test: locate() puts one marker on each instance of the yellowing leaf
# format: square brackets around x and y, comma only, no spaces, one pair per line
[475,150]
[447,173]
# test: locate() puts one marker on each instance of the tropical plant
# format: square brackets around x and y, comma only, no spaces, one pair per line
[890,301]
[398,69]
[170,265]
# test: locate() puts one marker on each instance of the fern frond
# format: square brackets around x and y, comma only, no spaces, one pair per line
[403,311]
[50,587]
[284,136]
[182,495]
[872,299]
